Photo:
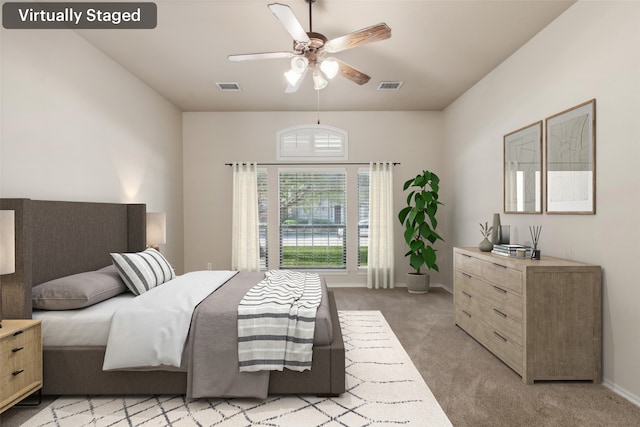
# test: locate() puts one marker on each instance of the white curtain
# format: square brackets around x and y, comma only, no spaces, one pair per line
[245,245]
[380,272]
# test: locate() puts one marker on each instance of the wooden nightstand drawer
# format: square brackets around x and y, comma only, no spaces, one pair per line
[20,360]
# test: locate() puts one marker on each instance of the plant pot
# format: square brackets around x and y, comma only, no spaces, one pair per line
[485,245]
[418,283]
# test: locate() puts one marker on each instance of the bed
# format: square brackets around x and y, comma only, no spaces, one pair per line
[56,239]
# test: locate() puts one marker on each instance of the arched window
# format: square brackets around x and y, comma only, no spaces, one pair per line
[312,143]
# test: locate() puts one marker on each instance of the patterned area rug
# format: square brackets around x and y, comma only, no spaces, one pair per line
[383,388]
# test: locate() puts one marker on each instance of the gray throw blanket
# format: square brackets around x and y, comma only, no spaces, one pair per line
[276,322]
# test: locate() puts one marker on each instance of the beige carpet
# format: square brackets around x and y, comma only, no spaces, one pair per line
[383,388]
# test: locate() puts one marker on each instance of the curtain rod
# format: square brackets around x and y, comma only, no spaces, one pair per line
[309,164]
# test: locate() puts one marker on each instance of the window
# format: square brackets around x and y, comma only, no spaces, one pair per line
[312,142]
[263,204]
[363,217]
[312,210]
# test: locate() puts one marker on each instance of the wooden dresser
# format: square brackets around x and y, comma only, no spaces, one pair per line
[540,317]
[20,360]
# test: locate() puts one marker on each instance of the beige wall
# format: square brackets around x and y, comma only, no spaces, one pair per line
[77,126]
[211,139]
[591,51]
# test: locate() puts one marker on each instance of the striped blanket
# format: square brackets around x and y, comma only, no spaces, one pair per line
[276,322]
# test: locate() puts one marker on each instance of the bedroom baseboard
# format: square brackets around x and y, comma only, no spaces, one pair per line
[622,392]
[398,285]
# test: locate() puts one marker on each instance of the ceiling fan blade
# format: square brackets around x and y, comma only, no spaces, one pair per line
[352,74]
[291,24]
[294,88]
[264,55]
[358,38]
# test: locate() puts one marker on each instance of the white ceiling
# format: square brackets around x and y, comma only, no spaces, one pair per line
[439,49]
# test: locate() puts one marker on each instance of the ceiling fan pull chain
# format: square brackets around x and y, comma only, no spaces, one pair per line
[318,92]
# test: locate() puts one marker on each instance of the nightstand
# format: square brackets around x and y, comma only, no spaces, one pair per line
[20,360]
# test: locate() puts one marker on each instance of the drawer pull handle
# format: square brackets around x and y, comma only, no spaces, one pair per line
[14,373]
[466,294]
[466,256]
[499,289]
[499,336]
[468,276]
[18,333]
[17,349]
[499,313]
[467,314]
[499,265]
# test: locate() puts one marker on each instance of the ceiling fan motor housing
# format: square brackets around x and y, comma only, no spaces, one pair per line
[313,49]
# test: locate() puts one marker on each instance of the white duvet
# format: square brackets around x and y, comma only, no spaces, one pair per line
[151,330]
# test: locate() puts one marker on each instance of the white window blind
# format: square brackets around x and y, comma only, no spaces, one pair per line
[312,142]
[363,216]
[312,211]
[263,204]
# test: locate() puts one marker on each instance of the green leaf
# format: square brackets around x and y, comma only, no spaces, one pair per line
[403,214]
[407,184]
[416,261]
[416,245]
[409,197]
[429,257]
[408,235]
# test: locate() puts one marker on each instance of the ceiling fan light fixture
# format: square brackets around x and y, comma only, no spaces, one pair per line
[292,77]
[330,67]
[299,64]
[319,82]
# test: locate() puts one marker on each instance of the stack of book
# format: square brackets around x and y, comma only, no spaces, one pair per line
[516,251]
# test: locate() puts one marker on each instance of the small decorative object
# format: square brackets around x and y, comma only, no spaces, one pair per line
[495,233]
[535,237]
[505,234]
[485,245]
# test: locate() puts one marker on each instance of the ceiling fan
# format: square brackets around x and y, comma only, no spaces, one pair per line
[310,50]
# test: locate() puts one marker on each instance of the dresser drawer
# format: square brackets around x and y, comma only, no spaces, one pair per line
[506,349]
[503,323]
[502,275]
[468,264]
[502,299]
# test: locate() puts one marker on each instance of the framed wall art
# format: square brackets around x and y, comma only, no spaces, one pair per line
[523,170]
[571,160]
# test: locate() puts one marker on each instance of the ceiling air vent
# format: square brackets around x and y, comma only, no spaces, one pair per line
[228,87]
[389,85]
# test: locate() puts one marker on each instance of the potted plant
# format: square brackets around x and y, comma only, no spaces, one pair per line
[419,221]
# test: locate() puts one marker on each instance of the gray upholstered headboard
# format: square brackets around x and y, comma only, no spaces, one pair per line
[55,239]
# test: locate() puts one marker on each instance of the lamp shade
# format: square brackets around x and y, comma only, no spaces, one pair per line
[156,228]
[7,242]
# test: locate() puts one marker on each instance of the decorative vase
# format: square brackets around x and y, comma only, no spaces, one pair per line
[418,283]
[495,233]
[485,245]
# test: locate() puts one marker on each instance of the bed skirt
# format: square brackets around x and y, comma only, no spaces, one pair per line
[78,371]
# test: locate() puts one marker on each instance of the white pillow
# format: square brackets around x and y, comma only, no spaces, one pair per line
[143,270]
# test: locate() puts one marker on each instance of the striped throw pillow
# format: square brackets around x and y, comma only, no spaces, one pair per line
[142,271]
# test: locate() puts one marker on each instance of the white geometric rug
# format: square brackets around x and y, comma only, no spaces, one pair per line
[383,389]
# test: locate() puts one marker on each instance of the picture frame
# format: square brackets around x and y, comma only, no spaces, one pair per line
[522,178]
[570,155]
